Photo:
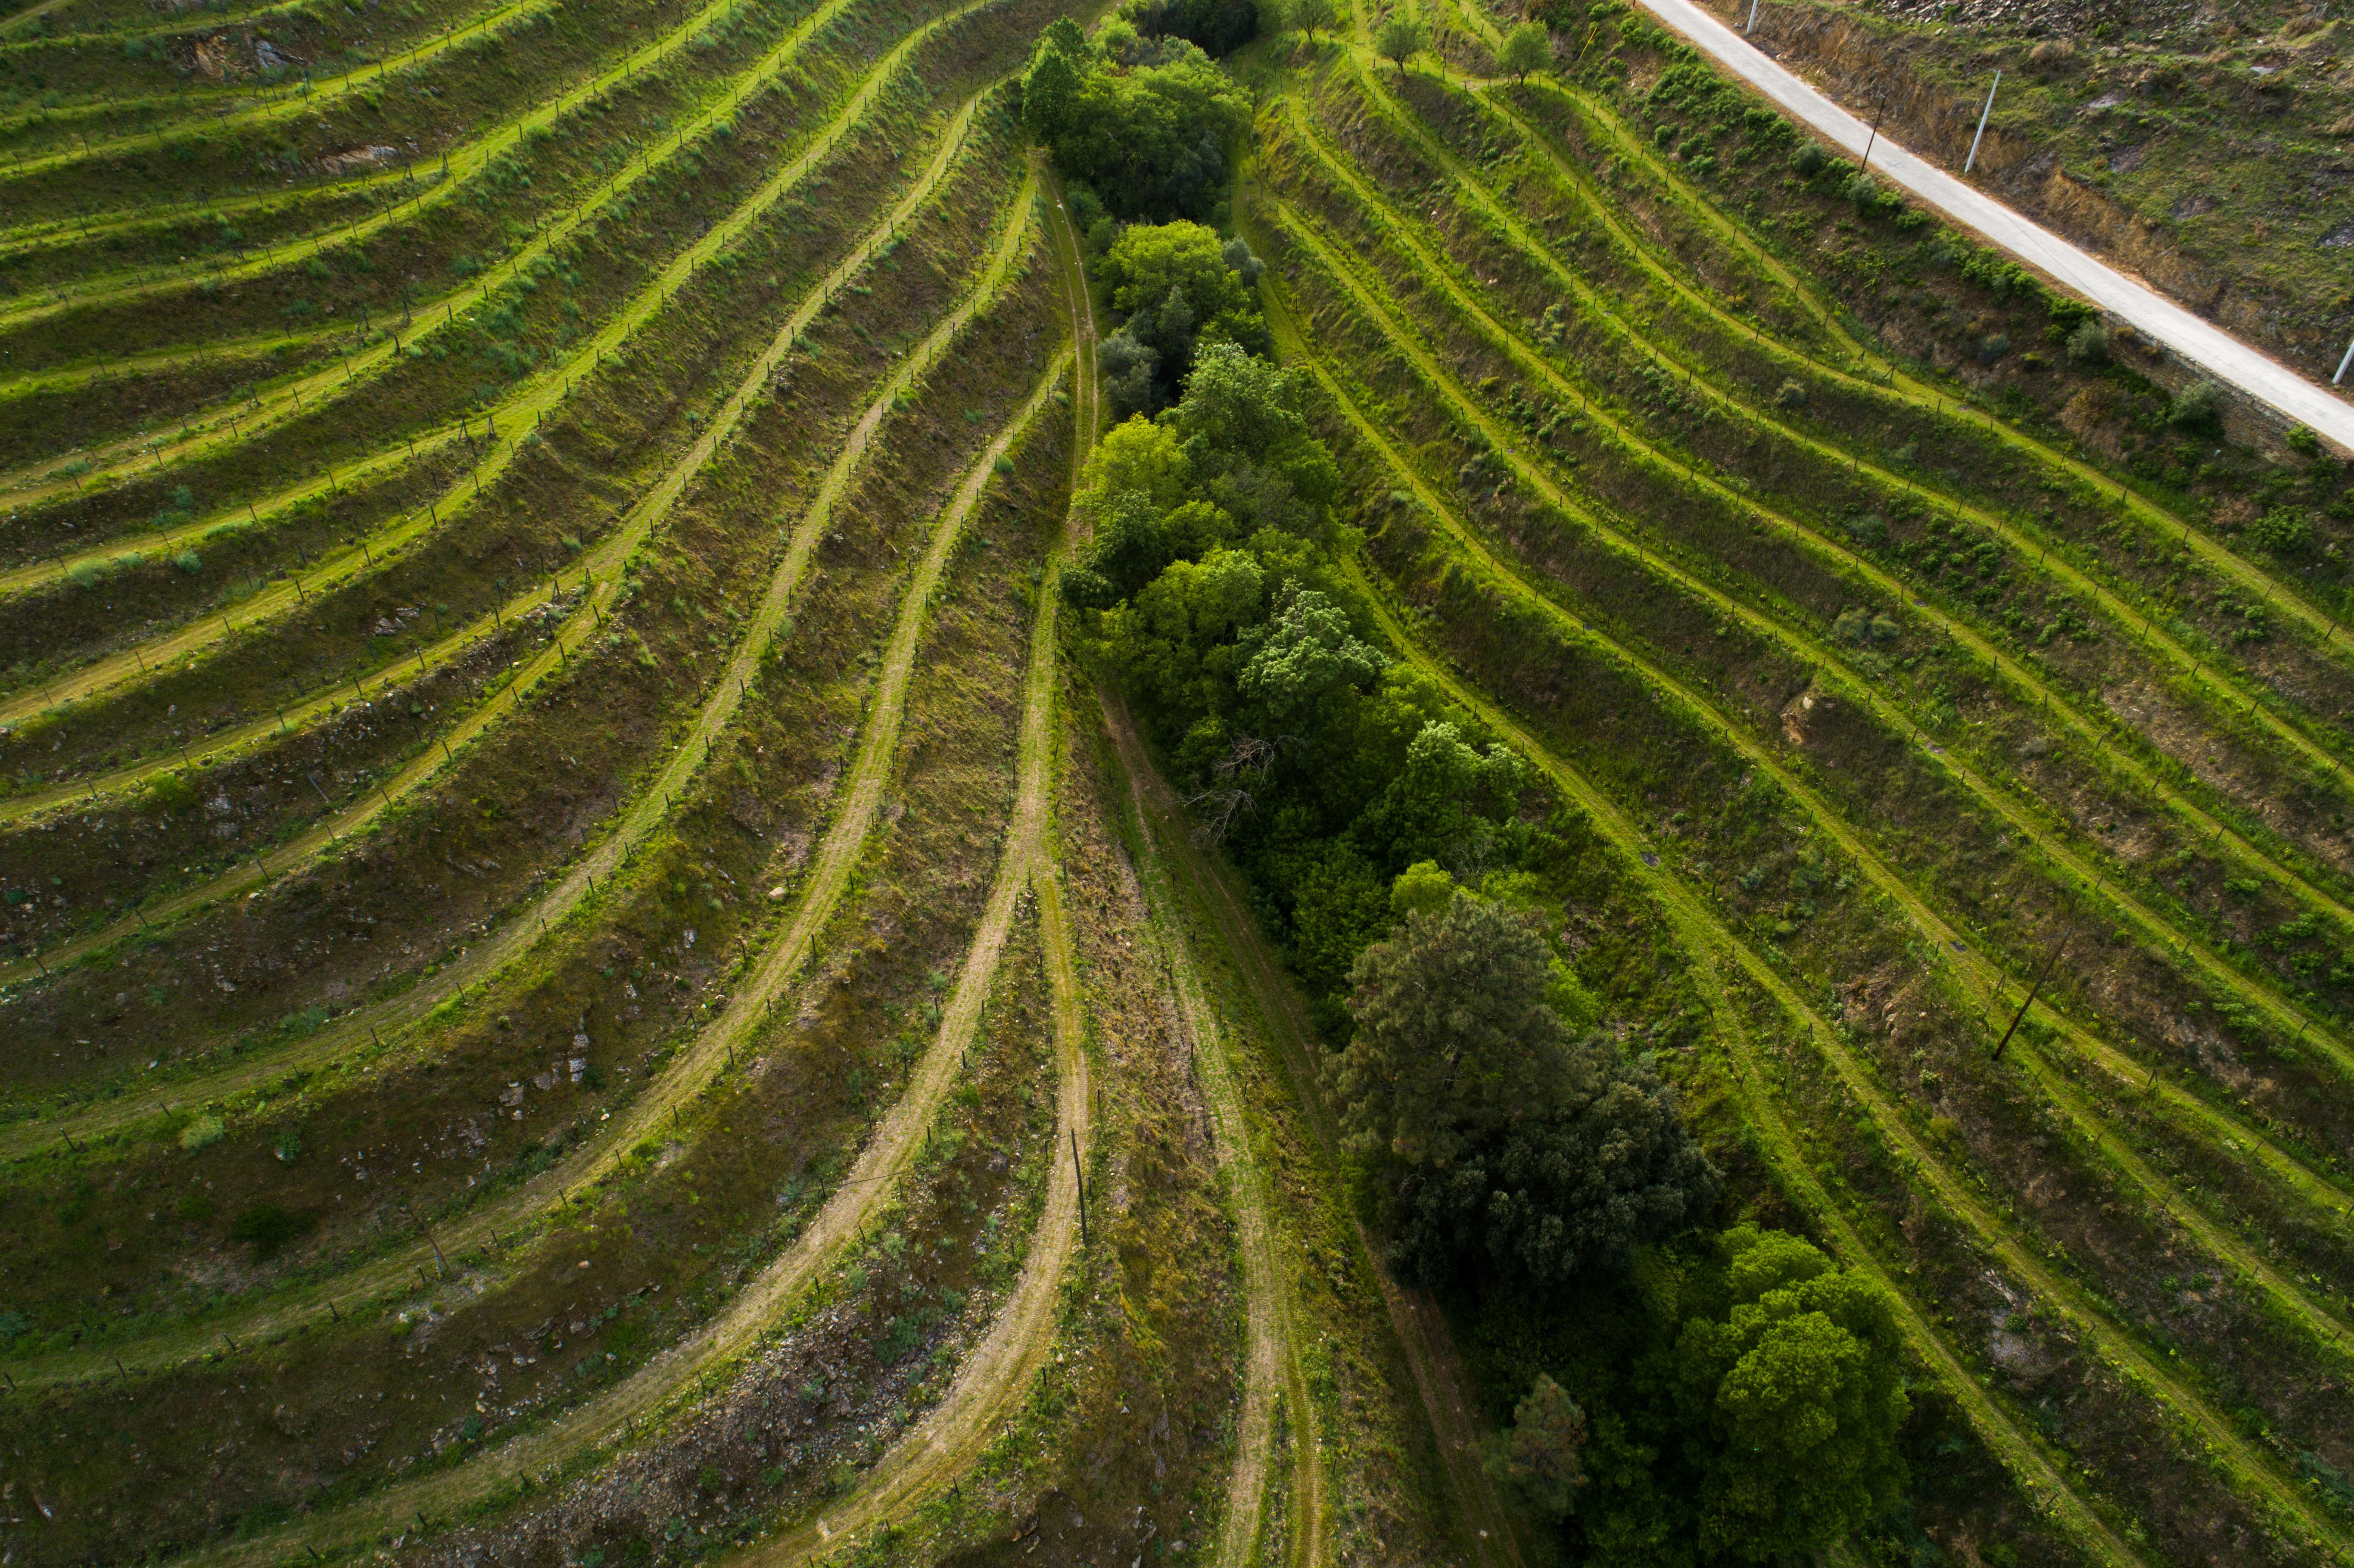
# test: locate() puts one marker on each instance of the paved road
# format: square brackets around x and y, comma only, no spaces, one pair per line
[2224,356]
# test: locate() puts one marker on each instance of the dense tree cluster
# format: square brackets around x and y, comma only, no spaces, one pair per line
[1218,27]
[1742,1403]
[1142,127]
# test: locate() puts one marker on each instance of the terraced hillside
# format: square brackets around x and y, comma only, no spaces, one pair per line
[764,900]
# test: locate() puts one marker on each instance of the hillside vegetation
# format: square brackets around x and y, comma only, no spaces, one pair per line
[950,781]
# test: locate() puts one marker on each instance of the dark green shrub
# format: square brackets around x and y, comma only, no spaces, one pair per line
[2089,343]
[2285,531]
[2198,406]
[268,1228]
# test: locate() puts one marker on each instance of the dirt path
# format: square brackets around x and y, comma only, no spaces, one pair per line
[1271,1358]
[2030,689]
[1272,1350]
[862,1192]
[2037,1477]
[293,104]
[1975,969]
[2249,1466]
[1888,381]
[229,422]
[713,1050]
[1420,1332]
[993,1377]
[1972,970]
[538,394]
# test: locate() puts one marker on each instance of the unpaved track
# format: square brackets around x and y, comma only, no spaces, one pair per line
[2040,1478]
[600,570]
[712,1049]
[863,1191]
[1974,969]
[2029,688]
[463,160]
[1271,1357]
[1890,382]
[293,105]
[992,1380]
[2256,373]
[1421,1333]
[538,394]
[1271,1322]
[2009,672]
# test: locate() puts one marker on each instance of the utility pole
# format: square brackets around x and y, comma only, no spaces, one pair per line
[1873,140]
[2342,364]
[1750,25]
[1973,158]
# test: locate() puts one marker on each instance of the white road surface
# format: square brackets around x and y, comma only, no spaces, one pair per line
[2224,357]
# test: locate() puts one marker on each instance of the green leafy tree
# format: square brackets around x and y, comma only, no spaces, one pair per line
[1527,48]
[1541,1452]
[1179,286]
[1050,87]
[2089,343]
[1337,907]
[1303,657]
[1400,38]
[2198,406]
[1256,458]
[1445,803]
[1219,26]
[1453,1039]
[1150,259]
[2285,531]
[1311,16]
[1240,403]
[1557,1196]
[1174,640]
[1422,888]
[1795,1397]
[1135,455]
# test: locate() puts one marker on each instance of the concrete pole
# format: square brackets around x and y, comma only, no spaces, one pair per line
[1982,119]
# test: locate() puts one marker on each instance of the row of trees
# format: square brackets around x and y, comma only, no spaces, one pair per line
[1399,36]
